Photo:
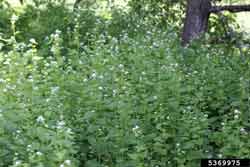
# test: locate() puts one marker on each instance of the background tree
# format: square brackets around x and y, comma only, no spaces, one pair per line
[197,16]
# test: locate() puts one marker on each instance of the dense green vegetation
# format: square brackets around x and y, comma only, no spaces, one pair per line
[81,90]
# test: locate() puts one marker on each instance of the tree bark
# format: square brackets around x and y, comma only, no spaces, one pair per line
[196,21]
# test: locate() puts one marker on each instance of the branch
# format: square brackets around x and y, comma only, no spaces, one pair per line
[230,8]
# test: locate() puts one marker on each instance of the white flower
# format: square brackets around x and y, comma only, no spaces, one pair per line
[58,31]
[236,117]
[93,75]
[28,147]
[220,155]
[69,131]
[33,41]
[39,153]
[56,36]
[54,89]
[155,97]
[2,80]
[60,124]
[62,165]
[18,162]
[236,111]
[155,44]
[67,162]
[40,119]
[85,80]
[30,78]
[14,18]
[100,88]
[135,128]
[243,130]
[177,144]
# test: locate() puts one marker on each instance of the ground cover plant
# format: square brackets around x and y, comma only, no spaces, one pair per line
[120,92]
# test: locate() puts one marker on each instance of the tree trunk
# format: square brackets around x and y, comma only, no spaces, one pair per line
[196,21]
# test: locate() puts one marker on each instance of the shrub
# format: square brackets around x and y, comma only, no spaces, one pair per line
[138,101]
